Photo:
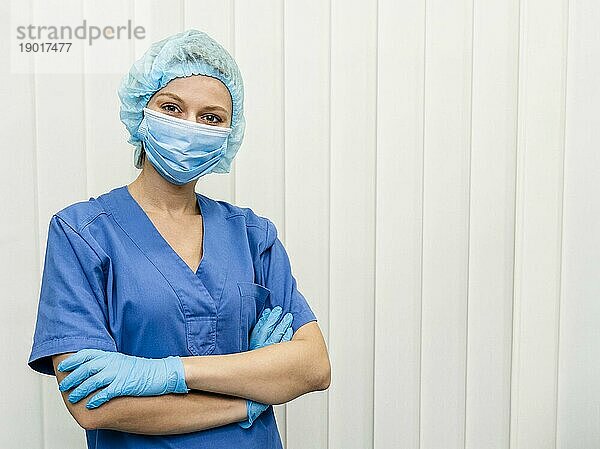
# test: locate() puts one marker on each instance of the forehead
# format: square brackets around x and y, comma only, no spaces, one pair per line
[198,88]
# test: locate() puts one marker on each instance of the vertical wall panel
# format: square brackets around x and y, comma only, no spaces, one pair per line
[307,188]
[492,193]
[21,420]
[352,222]
[538,223]
[445,222]
[259,53]
[400,78]
[109,157]
[579,352]
[60,143]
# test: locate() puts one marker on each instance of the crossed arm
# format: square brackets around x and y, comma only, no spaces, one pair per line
[220,385]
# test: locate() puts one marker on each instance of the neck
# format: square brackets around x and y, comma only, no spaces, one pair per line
[156,194]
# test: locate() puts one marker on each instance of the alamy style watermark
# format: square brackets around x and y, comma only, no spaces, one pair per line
[75,36]
[46,36]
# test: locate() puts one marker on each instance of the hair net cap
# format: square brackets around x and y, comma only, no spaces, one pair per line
[188,53]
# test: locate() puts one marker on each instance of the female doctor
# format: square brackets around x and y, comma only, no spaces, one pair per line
[171,319]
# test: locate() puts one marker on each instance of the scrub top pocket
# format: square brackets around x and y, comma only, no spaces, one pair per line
[252,298]
[201,335]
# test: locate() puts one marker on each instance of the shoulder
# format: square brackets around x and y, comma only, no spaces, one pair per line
[258,226]
[81,213]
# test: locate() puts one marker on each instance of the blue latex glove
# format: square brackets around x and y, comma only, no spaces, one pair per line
[121,374]
[263,334]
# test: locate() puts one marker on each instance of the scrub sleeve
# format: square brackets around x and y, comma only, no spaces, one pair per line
[278,278]
[72,313]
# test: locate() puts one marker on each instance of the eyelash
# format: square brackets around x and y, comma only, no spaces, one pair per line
[165,106]
[217,117]
[168,105]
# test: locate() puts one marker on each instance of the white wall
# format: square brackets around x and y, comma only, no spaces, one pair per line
[433,168]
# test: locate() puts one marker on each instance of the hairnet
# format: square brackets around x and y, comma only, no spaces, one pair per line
[190,52]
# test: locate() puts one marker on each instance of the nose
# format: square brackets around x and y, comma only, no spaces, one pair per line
[190,116]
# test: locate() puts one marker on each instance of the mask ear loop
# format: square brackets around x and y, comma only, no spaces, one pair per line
[142,156]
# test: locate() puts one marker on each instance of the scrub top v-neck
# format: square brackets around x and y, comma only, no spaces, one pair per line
[111,281]
[158,235]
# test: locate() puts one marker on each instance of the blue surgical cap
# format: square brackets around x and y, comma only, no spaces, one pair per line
[188,53]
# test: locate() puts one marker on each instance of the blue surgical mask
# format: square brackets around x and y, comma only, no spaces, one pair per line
[181,150]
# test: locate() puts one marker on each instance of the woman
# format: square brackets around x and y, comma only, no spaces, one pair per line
[171,319]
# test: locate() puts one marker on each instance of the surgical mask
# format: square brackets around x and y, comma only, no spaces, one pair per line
[181,150]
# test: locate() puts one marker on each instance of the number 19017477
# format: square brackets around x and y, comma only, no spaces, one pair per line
[44,47]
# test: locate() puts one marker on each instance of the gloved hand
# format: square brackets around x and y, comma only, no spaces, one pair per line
[262,335]
[125,375]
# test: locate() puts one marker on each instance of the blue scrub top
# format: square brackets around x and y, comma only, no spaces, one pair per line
[112,282]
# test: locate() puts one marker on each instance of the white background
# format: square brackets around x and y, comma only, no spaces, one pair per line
[434,170]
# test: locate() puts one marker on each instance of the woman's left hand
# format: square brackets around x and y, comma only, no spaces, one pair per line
[121,374]
[265,333]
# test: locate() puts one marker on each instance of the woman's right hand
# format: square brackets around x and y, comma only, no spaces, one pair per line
[265,333]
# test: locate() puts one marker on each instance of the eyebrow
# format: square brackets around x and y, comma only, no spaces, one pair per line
[214,106]
[169,94]
[176,97]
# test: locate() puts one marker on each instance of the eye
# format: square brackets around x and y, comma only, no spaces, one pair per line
[212,118]
[170,107]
